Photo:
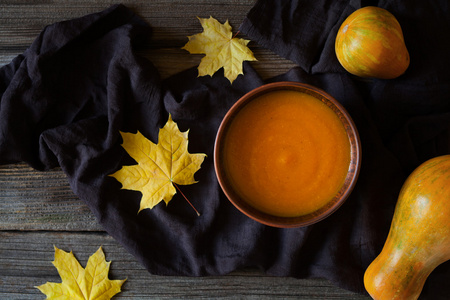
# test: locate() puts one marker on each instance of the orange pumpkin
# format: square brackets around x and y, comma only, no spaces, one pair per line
[419,238]
[370,44]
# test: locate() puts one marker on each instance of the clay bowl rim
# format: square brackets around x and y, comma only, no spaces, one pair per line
[341,196]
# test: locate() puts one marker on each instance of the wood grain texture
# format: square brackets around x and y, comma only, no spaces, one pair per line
[23,266]
[39,210]
[33,200]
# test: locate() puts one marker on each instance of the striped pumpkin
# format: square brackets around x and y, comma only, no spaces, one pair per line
[370,44]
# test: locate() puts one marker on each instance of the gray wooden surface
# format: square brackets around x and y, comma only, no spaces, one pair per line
[38,210]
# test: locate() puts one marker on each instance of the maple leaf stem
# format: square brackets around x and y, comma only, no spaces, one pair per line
[176,186]
[236,34]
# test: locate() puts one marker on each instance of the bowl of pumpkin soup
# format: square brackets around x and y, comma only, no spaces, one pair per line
[287,154]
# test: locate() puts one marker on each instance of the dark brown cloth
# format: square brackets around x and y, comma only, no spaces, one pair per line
[65,99]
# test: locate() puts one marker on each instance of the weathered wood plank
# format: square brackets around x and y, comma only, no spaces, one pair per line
[171,21]
[170,61]
[34,200]
[25,262]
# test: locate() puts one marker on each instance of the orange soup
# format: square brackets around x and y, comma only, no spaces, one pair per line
[286,153]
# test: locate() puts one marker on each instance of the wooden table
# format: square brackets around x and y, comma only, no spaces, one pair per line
[38,209]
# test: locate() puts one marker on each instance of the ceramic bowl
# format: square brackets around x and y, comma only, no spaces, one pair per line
[296,221]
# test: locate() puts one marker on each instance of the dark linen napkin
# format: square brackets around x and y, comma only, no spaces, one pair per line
[65,99]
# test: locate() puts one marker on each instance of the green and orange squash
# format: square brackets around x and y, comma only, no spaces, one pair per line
[370,43]
[419,237]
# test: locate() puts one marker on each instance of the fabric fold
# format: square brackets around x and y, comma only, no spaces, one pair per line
[301,31]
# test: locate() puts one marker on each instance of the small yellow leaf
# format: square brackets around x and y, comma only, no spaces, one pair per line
[159,165]
[221,49]
[91,283]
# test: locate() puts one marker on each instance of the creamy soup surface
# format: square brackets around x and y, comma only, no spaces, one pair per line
[286,153]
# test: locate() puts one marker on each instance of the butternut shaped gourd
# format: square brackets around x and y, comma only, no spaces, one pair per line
[419,237]
[370,43]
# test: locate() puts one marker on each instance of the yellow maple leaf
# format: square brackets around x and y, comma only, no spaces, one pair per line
[159,165]
[221,49]
[91,283]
